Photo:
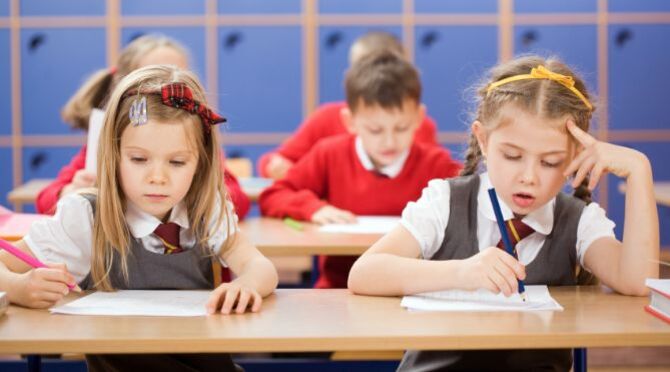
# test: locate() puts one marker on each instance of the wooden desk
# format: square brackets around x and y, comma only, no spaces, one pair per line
[274,238]
[661,192]
[27,193]
[335,320]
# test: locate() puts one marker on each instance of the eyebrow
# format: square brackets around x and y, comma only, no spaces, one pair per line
[175,153]
[553,152]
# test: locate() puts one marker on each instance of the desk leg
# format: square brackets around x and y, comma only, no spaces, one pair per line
[34,363]
[580,360]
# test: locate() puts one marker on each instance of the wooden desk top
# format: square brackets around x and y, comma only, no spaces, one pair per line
[27,193]
[274,238]
[335,320]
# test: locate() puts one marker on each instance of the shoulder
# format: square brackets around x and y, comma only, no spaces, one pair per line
[327,112]
[335,144]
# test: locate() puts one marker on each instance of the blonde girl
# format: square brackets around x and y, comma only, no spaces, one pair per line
[530,132]
[158,218]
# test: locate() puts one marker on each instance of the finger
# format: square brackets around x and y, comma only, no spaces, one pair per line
[576,162]
[582,137]
[583,171]
[243,301]
[496,280]
[257,301]
[501,281]
[229,300]
[518,269]
[214,300]
[51,297]
[596,173]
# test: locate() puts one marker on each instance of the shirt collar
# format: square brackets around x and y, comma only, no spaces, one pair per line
[142,224]
[541,219]
[390,170]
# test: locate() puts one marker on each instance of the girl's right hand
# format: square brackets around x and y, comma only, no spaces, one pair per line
[43,287]
[330,214]
[493,269]
[82,179]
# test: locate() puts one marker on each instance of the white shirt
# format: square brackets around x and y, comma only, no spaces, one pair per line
[427,219]
[67,237]
[390,170]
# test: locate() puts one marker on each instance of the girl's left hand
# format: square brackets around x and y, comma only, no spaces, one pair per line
[597,158]
[234,295]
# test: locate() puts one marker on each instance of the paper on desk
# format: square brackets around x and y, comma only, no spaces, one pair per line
[138,302]
[363,225]
[538,299]
[95,122]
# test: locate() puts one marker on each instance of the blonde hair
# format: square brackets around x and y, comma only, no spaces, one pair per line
[110,231]
[542,97]
[96,89]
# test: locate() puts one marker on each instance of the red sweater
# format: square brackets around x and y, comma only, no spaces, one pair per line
[331,173]
[326,122]
[48,197]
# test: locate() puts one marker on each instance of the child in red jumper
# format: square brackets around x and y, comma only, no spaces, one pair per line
[326,120]
[374,170]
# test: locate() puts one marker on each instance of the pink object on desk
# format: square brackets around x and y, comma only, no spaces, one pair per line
[14,226]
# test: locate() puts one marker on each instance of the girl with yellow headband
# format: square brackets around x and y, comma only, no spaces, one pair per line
[530,132]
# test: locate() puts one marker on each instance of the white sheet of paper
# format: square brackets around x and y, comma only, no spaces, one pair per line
[538,299]
[95,122]
[364,225]
[138,302]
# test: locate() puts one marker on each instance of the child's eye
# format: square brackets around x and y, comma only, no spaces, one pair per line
[511,157]
[177,163]
[137,159]
[402,129]
[375,131]
[549,164]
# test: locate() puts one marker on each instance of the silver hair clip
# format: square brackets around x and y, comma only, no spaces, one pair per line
[138,110]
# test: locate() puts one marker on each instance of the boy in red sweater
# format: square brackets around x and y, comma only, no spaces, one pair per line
[326,120]
[375,170]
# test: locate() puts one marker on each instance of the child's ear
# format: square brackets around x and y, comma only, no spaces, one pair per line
[347,119]
[422,115]
[482,136]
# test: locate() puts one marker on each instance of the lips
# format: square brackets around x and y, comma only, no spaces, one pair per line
[155,197]
[523,200]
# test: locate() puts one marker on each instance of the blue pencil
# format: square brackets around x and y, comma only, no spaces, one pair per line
[505,237]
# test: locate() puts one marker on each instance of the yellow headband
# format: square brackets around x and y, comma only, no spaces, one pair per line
[541,72]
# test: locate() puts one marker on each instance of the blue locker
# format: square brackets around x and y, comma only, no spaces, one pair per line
[638,5]
[162,7]
[45,162]
[62,8]
[6,177]
[55,62]
[260,6]
[360,7]
[192,38]
[551,6]
[638,77]
[334,44]
[449,66]
[260,78]
[455,6]
[658,153]
[5,86]
[4,8]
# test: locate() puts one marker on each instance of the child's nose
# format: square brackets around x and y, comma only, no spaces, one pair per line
[158,175]
[529,175]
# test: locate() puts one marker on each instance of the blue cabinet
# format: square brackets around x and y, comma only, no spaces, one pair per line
[6,177]
[455,6]
[162,7]
[260,6]
[5,86]
[54,63]
[260,77]
[360,7]
[192,38]
[451,59]
[62,8]
[552,6]
[4,8]
[638,5]
[658,153]
[334,44]
[638,76]
[46,162]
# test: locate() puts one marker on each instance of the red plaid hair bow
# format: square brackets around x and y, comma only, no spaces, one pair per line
[179,96]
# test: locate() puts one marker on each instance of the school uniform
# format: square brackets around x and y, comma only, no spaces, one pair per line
[454,220]
[338,171]
[325,122]
[67,237]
